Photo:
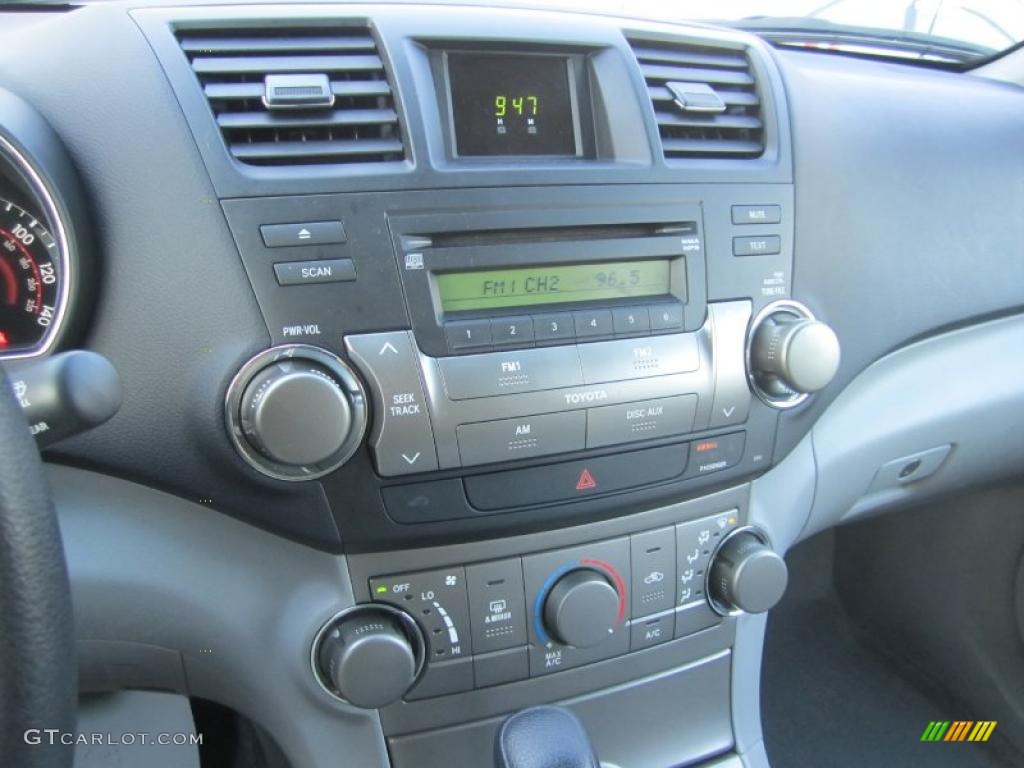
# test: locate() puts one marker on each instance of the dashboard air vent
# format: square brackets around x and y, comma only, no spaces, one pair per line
[705,99]
[287,97]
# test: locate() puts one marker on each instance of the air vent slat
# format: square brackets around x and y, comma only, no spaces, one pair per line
[729,126]
[689,58]
[350,88]
[289,120]
[304,150]
[692,74]
[725,121]
[232,66]
[711,147]
[280,44]
[246,65]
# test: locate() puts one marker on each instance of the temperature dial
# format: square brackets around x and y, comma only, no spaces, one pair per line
[296,412]
[582,608]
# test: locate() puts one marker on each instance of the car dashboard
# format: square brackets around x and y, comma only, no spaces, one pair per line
[507,334]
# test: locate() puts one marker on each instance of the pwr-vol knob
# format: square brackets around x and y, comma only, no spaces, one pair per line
[790,354]
[296,412]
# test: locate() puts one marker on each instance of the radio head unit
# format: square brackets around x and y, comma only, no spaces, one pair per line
[513,289]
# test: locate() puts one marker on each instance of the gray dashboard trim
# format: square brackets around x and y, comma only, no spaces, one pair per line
[964,388]
[239,605]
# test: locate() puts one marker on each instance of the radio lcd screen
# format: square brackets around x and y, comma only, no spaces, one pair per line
[532,286]
[511,104]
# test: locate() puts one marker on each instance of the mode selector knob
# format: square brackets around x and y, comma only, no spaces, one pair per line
[296,412]
[370,656]
[791,354]
[582,608]
[746,575]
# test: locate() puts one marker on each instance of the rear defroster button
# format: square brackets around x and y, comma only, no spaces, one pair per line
[713,454]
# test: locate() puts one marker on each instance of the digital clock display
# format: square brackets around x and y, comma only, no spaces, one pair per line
[511,104]
[531,286]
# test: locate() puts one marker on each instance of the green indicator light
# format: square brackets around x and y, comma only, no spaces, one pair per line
[382,590]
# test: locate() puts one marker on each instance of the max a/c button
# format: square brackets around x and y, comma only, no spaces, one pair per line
[713,454]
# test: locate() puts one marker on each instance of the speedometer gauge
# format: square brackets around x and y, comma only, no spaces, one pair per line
[30,277]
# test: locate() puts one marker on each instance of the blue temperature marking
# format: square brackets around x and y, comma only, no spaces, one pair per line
[538,624]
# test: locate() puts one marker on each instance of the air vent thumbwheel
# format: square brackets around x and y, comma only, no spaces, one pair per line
[296,412]
[790,354]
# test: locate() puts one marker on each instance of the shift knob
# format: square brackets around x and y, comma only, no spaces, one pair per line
[544,737]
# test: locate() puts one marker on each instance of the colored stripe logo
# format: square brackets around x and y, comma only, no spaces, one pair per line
[958,730]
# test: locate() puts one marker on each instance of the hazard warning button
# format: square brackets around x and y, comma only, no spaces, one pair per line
[586,481]
[573,480]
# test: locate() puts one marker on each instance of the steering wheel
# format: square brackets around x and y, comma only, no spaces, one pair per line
[38,676]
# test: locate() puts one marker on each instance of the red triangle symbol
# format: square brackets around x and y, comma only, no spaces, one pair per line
[586,481]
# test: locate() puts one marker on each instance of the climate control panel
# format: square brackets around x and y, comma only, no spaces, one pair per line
[490,623]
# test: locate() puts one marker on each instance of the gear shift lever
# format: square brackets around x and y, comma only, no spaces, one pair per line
[543,737]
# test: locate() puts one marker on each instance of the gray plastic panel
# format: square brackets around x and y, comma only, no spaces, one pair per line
[961,388]
[904,199]
[240,607]
[127,714]
[696,696]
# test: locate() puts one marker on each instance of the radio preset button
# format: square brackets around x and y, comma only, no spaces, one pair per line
[506,373]
[631,320]
[553,328]
[512,331]
[664,417]
[402,439]
[468,334]
[639,358]
[666,317]
[526,437]
[593,323]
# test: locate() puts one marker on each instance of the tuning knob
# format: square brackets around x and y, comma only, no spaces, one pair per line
[746,575]
[582,608]
[296,412]
[370,656]
[791,354]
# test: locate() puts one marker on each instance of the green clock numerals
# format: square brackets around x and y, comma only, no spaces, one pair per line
[515,105]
